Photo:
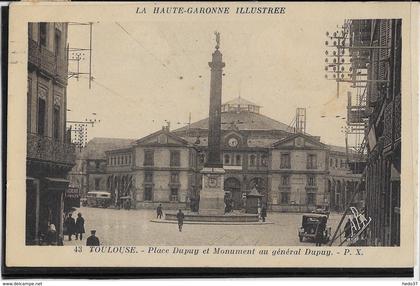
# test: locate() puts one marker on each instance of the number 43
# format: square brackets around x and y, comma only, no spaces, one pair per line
[78,249]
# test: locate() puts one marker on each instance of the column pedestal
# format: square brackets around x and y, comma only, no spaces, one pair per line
[212,195]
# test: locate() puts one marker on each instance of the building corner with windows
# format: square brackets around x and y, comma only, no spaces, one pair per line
[376,47]
[50,155]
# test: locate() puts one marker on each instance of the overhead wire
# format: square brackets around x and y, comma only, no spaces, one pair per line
[146,49]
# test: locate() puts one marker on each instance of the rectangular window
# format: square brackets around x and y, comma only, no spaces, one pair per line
[311,161]
[56,123]
[285,180]
[311,181]
[264,160]
[148,177]
[43,34]
[285,161]
[227,159]
[238,160]
[311,198]
[174,195]
[28,105]
[41,116]
[148,193]
[97,183]
[252,160]
[149,157]
[284,197]
[57,42]
[175,159]
[174,178]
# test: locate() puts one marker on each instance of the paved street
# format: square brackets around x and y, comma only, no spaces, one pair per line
[133,227]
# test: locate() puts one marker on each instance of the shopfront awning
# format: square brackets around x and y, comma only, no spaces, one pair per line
[57,184]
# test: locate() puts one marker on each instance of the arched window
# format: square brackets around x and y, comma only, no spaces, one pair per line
[227,159]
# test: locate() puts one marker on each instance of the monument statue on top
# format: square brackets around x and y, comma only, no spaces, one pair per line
[212,193]
[217,40]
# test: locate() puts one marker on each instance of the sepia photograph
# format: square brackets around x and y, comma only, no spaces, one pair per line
[278,163]
[195,135]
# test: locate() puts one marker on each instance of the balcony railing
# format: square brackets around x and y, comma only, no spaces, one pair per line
[397,118]
[47,61]
[33,52]
[48,149]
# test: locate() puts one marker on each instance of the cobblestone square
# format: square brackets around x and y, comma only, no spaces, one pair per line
[134,227]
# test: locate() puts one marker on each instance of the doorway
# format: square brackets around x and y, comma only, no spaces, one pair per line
[233,186]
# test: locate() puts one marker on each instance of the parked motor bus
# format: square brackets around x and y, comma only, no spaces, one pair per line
[98,199]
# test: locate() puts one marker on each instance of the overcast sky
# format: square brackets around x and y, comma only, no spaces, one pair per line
[148,72]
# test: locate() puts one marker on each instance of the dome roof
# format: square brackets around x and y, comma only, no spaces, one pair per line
[239,104]
[243,120]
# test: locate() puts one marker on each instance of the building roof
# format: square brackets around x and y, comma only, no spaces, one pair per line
[244,120]
[342,149]
[240,101]
[165,131]
[95,148]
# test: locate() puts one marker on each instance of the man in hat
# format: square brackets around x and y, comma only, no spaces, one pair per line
[159,211]
[70,225]
[92,240]
[180,216]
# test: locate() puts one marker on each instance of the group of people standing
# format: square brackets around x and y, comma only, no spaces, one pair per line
[72,227]
[75,227]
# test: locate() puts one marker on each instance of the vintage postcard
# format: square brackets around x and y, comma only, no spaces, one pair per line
[212,135]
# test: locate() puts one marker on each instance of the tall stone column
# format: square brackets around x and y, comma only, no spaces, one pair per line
[212,193]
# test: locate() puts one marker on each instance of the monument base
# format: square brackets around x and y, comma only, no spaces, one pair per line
[212,195]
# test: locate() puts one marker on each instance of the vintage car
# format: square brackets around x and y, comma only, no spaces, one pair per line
[311,223]
[321,210]
[98,199]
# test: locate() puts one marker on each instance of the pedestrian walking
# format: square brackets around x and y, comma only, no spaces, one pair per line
[80,226]
[92,240]
[263,213]
[70,225]
[319,232]
[180,216]
[159,211]
[51,237]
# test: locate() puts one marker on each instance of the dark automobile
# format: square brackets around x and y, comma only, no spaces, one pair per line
[321,210]
[98,199]
[310,225]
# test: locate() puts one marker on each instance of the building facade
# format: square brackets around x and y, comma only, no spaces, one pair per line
[50,155]
[291,170]
[380,47]
[91,168]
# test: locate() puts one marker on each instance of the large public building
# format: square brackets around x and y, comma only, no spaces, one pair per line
[294,171]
